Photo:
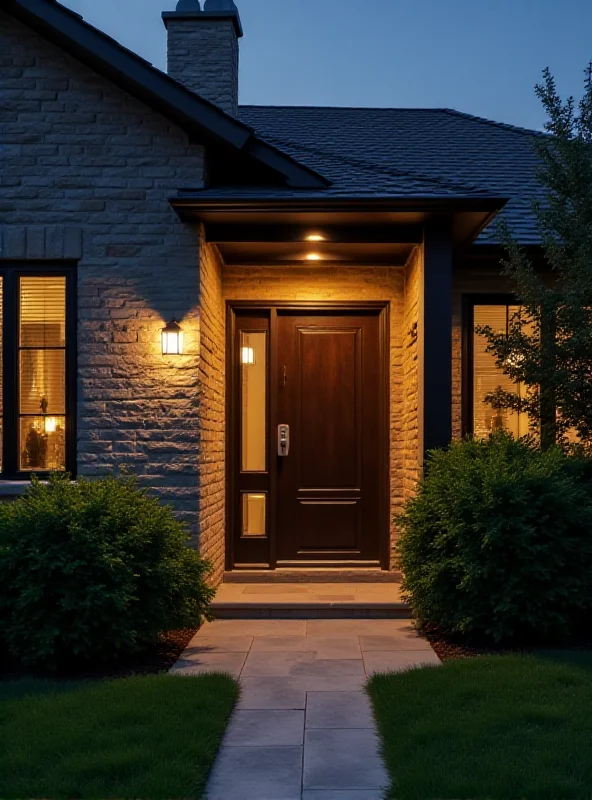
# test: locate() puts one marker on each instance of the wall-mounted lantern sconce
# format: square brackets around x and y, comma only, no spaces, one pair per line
[247,356]
[172,339]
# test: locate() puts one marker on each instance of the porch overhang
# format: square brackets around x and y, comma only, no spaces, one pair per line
[336,230]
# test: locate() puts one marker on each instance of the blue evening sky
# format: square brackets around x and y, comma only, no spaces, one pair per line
[479,56]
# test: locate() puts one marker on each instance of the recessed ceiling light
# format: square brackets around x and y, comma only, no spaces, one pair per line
[313,257]
[315,237]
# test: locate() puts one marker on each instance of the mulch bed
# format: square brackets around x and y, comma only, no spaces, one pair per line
[154,660]
[449,648]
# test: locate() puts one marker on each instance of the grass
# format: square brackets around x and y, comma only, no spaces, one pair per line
[489,728]
[143,737]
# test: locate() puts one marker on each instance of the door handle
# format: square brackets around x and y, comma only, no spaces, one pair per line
[283,440]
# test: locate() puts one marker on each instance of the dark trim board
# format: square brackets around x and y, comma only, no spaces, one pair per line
[273,310]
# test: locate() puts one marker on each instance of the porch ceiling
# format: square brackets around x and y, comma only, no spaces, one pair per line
[372,232]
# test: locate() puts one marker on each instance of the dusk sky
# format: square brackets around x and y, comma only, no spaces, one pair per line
[479,56]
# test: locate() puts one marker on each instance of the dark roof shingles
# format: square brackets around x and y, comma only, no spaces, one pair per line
[419,152]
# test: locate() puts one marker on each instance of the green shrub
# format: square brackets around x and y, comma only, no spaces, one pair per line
[94,570]
[497,542]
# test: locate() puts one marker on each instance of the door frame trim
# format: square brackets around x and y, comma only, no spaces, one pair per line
[382,310]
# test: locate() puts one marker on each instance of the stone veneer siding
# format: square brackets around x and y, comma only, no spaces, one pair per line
[348,284]
[202,54]
[212,410]
[81,156]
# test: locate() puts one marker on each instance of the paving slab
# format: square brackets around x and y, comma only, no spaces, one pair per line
[329,683]
[332,669]
[338,648]
[272,693]
[255,627]
[256,773]
[343,759]
[353,627]
[339,710]
[344,647]
[399,661]
[218,644]
[274,588]
[265,729]
[402,640]
[277,644]
[275,664]
[231,663]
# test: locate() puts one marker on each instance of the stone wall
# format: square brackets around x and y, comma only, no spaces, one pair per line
[80,155]
[202,54]
[212,409]
[342,284]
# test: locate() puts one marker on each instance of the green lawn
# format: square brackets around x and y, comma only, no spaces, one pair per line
[142,737]
[496,727]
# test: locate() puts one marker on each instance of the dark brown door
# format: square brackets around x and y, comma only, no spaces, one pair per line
[330,394]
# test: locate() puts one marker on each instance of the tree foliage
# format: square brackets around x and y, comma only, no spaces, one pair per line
[548,346]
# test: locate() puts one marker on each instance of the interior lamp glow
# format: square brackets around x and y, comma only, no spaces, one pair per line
[172,339]
[315,237]
[313,257]
[247,356]
[51,424]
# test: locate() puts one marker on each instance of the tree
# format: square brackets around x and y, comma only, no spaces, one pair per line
[548,347]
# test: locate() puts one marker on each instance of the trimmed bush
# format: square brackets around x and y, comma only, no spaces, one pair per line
[497,542]
[94,570]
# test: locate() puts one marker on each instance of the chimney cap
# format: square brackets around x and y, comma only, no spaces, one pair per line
[188,5]
[213,9]
[218,5]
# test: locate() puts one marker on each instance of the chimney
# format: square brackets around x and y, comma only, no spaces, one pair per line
[202,49]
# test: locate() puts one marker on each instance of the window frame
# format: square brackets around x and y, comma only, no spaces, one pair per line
[469,301]
[11,272]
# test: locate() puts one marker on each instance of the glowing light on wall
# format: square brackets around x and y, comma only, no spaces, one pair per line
[172,339]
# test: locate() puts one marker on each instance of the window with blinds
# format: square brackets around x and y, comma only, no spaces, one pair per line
[38,361]
[42,373]
[487,376]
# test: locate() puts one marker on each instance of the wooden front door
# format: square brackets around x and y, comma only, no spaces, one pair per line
[315,492]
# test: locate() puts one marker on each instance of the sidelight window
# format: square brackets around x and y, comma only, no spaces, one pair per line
[254,514]
[253,365]
[37,354]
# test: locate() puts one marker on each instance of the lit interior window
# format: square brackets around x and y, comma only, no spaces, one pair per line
[487,377]
[42,373]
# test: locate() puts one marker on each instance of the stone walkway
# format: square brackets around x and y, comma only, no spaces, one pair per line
[303,728]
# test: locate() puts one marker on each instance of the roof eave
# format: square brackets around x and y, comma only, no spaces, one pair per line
[465,203]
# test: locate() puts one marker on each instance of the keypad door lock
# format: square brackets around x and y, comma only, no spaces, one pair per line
[283,440]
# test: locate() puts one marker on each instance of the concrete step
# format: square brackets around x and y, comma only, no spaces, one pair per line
[311,611]
[313,600]
[312,575]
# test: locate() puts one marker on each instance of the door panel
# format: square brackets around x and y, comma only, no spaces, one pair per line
[327,386]
[329,393]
